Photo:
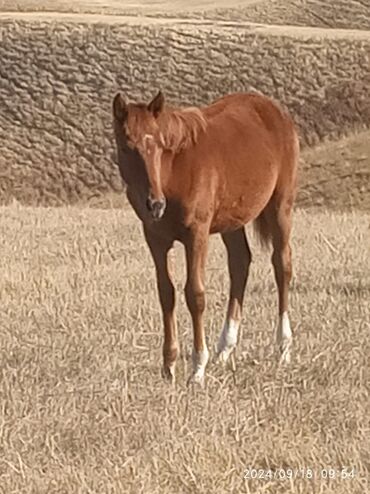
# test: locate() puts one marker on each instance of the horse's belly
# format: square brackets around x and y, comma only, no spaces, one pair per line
[224,223]
[232,215]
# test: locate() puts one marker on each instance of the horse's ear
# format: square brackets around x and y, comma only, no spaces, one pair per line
[157,104]
[120,108]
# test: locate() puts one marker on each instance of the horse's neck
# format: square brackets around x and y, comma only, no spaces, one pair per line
[181,128]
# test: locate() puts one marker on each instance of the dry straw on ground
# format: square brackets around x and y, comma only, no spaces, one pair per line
[83,407]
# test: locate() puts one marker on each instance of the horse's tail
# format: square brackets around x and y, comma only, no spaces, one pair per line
[262,230]
[283,196]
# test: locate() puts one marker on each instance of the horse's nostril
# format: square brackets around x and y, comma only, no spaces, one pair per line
[149,204]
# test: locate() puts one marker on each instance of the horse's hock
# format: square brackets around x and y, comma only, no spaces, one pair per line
[57,81]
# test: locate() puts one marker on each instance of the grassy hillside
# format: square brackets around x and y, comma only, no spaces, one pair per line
[58,78]
[350,14]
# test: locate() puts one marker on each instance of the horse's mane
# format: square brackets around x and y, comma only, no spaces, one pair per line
[181,128]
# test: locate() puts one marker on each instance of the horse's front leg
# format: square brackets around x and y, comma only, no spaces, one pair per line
[196,253]
[159,249]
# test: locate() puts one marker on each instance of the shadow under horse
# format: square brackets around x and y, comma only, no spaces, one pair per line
[193,172]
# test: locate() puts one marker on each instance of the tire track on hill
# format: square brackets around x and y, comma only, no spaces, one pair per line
[346,14]
[266,29]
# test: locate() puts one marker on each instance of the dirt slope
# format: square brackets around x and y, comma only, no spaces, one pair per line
[347,14]
[337,175]
[58,79]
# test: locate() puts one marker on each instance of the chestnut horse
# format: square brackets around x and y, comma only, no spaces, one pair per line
[193,172]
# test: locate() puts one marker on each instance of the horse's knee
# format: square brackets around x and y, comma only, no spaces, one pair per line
[195,297]
[170,353]
[281,259]
[167,294]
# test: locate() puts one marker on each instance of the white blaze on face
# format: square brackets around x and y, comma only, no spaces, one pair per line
[151,150]
[148,143]
[151,154]
[228,339]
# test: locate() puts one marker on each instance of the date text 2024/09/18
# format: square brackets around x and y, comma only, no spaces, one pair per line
[343,473]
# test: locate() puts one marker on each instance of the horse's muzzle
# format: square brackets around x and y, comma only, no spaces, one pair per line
[156,207]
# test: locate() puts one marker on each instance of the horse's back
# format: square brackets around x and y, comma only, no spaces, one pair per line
[254,126]
[253,148]
[252,111]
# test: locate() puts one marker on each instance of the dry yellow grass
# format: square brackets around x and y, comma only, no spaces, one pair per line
[82,405]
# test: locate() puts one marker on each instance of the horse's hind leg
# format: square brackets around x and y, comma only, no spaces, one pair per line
[239,259]
[279,217]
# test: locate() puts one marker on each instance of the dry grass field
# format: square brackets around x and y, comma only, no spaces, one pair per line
[83,409]
[58,74]
[83,406]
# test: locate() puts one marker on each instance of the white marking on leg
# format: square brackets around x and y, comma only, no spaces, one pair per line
[284,337]
[200,360]
[228,339]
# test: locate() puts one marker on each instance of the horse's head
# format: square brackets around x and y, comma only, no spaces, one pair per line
[136,126]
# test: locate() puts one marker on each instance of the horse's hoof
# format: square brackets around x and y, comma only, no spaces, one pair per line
[228,341]
[285,352]
[197,379]
[224,354]
[168,374]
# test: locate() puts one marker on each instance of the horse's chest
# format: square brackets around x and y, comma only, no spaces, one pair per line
[137,203]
